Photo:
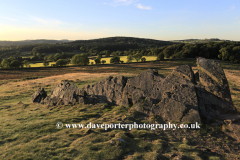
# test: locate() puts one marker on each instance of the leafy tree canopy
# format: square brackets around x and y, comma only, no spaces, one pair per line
[115,60]
[81,59]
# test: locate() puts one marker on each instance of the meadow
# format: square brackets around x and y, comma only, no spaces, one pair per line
[28,131]
[122,58]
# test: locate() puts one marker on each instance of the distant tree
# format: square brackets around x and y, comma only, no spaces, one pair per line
[129,58]
[103,61]
[11,58]
[50,58]
[137,56]
[0,61]
[57,56]
[143,59]
[97,61]
[232,59]
[115,60]
[143,52]
[26,63]
[45,58]
[81,59]
[224,54]
[160,56]
[99,56]
[114,54]
[16,64]
[39,56]
[120,53]
[152,46]
[5,63]
[61,62]
[168,51]
[45,63]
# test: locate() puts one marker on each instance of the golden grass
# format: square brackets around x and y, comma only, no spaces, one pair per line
[124,59]
[40,64]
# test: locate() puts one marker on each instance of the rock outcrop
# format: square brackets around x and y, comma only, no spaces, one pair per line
[182,96]
[213,90]
[39,95]
[63,94]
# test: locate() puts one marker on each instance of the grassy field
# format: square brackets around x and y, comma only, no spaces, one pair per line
[28,131]
[40,64]
[122,58]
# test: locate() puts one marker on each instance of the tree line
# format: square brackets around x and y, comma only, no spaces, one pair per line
[115,47]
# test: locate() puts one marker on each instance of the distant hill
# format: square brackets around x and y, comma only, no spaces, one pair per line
[200,40]
[26,42]
[125,40]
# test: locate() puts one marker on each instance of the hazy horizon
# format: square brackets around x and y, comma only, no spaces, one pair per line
[83,20]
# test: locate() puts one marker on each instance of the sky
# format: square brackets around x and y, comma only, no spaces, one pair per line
[91,19]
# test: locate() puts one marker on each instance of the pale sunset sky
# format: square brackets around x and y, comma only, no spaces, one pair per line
[90,19]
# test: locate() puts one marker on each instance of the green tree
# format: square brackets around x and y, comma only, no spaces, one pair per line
[61,62]
[81,59]
[45,63]
[5,63]
[39,55]
[99,56]
[45,58]
[143,59]
[129,58]
[103,61]
[1,61]
[137,56]
[11,58]
[107,53]
[15,64]
[50,58]
[115,60]
[57,56]
[97,61]
[26,63]
[224,54]
[160,56]
[168,51]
